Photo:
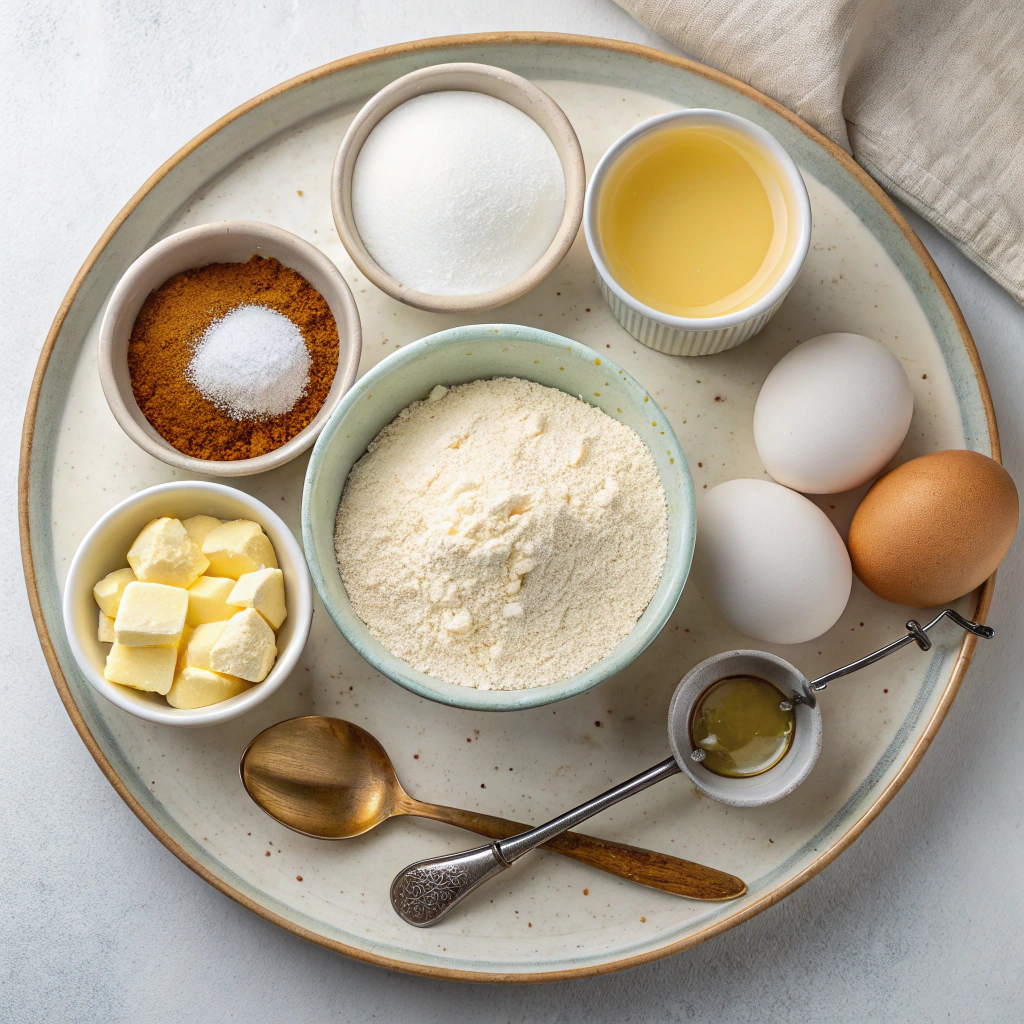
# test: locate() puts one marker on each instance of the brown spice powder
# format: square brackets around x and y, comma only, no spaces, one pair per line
[174,318]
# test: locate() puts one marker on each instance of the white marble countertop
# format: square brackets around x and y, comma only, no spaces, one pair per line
[922,919]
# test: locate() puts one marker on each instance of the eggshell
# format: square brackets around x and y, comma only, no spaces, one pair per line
[934,528]
[832,413]
[771,561]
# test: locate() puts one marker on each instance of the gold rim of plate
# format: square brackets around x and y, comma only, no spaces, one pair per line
[772,896]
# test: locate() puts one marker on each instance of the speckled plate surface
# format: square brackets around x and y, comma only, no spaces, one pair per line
[547,918]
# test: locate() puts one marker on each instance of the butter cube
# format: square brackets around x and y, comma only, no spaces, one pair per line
[186,635]
[144,668]
[198,528]
[197,653]
[109,590]
[150,614]
[197,688]
[165,553]
[264,591]
[245,648]
[207,600]
[238,547]
[105,629]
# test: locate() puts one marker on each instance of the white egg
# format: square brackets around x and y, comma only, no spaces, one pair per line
[832,413]
[771,561]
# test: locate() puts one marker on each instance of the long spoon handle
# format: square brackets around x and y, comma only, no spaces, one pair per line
[425,892]
[916,633]
[645,867]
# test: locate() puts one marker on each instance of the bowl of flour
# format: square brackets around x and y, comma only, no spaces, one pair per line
[497,517]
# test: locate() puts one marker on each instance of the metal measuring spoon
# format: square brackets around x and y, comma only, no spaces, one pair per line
[330,779]
[427,891]
[916,633]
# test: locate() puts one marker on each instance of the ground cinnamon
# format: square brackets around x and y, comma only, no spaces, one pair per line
[174,318]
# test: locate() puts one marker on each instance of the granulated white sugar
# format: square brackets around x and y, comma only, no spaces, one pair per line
[252,363]
[502,534]
[455,193]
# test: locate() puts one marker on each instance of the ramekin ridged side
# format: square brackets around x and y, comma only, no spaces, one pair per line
[675,341]
[697,336]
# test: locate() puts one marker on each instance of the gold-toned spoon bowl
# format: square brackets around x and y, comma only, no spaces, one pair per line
[330,779]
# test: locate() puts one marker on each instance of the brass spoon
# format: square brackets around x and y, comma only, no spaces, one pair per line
[331,779]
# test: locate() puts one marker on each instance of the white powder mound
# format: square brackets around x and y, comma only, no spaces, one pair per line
[502,534]
[252,363]
[455,193]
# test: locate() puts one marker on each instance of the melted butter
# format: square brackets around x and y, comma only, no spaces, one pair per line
[693,221]
[739,725]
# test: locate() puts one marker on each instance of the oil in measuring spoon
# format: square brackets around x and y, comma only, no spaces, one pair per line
[739,725]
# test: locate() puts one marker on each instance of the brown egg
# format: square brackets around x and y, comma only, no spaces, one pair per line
[934,528]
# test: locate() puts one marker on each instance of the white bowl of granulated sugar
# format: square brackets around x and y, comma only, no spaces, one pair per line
[523,559]
[458,187]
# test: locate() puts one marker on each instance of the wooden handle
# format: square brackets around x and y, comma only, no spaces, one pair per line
[645,867]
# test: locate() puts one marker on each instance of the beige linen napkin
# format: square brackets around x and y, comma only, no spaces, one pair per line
[928,96]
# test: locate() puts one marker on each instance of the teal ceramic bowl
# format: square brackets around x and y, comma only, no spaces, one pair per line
[458,356]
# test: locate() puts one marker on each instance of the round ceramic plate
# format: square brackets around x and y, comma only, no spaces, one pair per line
[547,918]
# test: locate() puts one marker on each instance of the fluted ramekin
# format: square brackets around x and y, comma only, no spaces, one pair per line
[698,336]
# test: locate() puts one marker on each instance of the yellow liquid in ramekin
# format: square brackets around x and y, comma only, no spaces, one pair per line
[694,221]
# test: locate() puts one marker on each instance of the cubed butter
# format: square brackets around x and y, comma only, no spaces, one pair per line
[207,600]
[264,591]
[198,688]
[150,614]
[245,648]
[238,547]
[105,629]
[197,653]
[109,590]
[186,635]
[198,527]
[164,553]
[144,668]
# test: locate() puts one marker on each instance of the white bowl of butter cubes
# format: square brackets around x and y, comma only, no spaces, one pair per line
[188,603]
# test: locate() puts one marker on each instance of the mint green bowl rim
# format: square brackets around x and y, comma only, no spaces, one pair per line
[648,626]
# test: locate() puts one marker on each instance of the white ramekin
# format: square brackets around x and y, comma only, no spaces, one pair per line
[697,336]
[105,548]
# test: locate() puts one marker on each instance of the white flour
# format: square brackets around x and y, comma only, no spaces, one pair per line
[502,534]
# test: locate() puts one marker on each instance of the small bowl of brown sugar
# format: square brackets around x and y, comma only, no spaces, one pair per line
[226,347]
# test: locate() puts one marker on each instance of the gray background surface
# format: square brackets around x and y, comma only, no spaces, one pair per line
[922,919]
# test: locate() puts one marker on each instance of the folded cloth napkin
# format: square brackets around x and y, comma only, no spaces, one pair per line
[928,96]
